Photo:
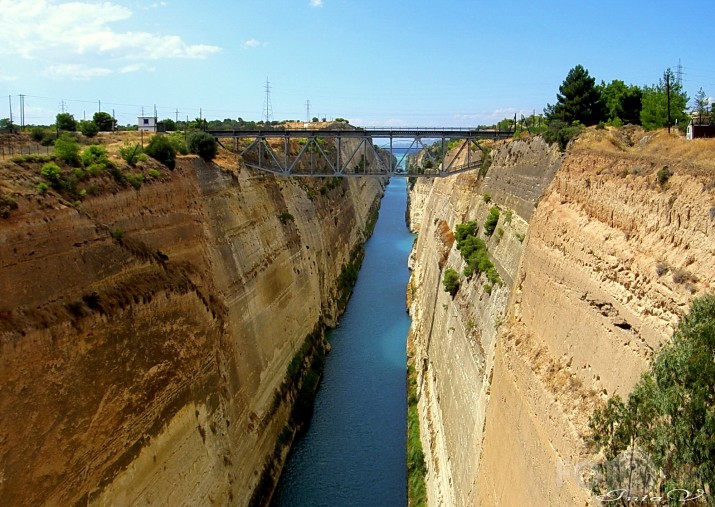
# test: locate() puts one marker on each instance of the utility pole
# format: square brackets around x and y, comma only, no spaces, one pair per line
[667,91]
[177,115]
[307,110]
[9,98]
[114,121]
[22,112]
[99,106]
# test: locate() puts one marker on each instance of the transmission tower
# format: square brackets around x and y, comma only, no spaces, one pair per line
[267,106]
[679,72]
[307,110]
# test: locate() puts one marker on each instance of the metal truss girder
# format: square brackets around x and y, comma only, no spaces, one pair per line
[346,165]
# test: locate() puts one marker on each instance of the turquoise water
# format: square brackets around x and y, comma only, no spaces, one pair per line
[353,453]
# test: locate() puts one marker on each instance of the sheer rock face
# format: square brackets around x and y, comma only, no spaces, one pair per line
[145,333]
[610,259]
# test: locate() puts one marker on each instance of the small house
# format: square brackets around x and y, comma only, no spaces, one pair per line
[147,123]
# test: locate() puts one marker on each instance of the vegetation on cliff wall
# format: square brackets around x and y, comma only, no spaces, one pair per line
[416,466]
[474,250]
[299,387]
[662,436]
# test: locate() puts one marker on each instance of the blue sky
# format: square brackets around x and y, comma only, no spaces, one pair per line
[420,63]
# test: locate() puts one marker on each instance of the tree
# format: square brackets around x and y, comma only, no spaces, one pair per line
[67,149]
[169,124]
[622,102]
[701,103]
[160,148]
[66,121]
[104,121]
[451,281]
[579,100]
[203,144]
[654,114]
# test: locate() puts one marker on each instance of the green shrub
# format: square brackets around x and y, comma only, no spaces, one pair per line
[491,222]
[451,281]
[463,230]
[134,180]
[132,153]
[88,128]
[48,138]
[285,217]
[67,149]
[488,288]
[7,204]
[154,173]
[664,175]
[162,150]
[42,187]
[474,252]
[32,159]
[51,172]
[203,144]
[118,233]
[92,154]
[561,133]
[37,133]
[178,141]
[668,417]
[486,198]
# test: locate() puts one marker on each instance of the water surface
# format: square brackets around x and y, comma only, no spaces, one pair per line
[353,453]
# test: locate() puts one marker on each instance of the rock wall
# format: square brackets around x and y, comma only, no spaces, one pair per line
[146,333]
[453,338]
[611,258]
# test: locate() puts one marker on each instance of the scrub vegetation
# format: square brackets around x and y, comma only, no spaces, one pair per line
[661,437]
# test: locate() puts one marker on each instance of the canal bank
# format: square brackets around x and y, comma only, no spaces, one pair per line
[353,452]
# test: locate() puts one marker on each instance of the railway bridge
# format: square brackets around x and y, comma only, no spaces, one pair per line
[349,151]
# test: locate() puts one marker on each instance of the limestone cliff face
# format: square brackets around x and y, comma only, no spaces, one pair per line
[610,259]
[145,334]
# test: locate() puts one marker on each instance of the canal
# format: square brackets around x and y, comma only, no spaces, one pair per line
[353,453]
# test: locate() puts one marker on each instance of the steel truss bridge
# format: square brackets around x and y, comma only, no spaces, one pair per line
[344,153]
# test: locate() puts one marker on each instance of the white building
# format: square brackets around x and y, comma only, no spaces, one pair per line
[147,123]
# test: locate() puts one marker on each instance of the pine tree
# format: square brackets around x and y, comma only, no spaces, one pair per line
[579,100]
[701,103]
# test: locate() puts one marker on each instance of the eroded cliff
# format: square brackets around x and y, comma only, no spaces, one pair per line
[147,334]
[594,279]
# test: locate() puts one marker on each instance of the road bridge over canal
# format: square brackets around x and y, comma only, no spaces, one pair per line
[348,152]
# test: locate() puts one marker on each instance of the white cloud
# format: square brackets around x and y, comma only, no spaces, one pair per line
[77,72]
[7,78]
[251,43]
[136,67]
[54,30]
[316,3]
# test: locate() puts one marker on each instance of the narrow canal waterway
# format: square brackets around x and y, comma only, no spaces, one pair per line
[354,450]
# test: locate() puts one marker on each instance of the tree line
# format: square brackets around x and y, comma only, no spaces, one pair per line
[581,102]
